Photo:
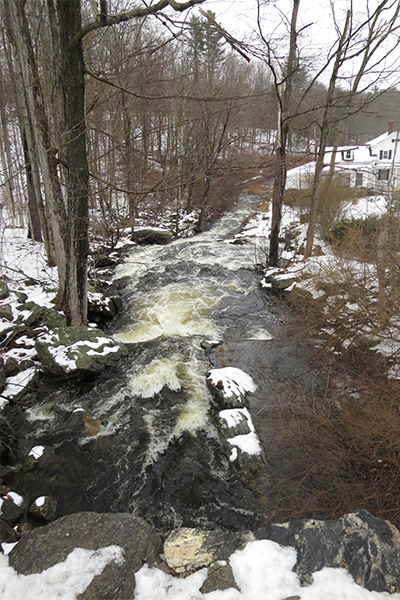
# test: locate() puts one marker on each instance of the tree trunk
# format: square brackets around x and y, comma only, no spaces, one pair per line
[35,230]
[277,201]
[381,262]
[73,298]
[315,194]
[32,106]
[283,131]
[6,159]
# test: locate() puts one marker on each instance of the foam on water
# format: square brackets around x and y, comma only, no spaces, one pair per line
[151,378]
[179,373]
[174,310]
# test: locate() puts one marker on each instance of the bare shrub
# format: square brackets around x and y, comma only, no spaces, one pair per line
[345,447]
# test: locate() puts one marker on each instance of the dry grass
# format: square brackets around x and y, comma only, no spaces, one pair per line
[343,442]
[345,450]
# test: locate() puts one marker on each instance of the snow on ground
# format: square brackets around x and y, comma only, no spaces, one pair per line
[64,581]
[23,267]
[23,258]
[365,207]
[262,570]
[318,273]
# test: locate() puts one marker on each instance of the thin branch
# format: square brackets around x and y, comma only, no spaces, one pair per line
[107,21]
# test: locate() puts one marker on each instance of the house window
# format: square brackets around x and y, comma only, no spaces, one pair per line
[385,154]
[359,178]
[347,155]
[383,175]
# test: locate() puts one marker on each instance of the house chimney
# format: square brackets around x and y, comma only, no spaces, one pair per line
[390,127]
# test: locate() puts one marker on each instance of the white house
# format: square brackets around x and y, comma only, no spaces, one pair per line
[374,165]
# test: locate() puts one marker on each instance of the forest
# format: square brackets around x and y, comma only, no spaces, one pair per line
[119,115]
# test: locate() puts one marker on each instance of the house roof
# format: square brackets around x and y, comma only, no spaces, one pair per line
[381,138]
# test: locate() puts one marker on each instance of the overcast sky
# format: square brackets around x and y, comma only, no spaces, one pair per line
[239,17]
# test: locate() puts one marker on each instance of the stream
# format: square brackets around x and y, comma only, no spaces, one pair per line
[158,452]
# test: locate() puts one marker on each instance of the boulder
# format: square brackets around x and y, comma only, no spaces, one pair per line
[77,350]
[7,533]
[102,308]
[219,577]
[284,281]
[230,386]
[234,421]
[9,511]
[151,235]
[101,259]
[41,314]
[21,297]
[46,546]
[187,550]
[44,507]
[241,442]
[368,547]
[4,291]
[6,312]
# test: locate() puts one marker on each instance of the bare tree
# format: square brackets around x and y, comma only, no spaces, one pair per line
[373,31]
[283,75]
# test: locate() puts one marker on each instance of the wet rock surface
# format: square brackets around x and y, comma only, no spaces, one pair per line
[44,547]
[368,547]
[190,484]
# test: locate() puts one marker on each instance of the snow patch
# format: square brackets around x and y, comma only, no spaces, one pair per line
[234,382]
[63,581]
[36,452]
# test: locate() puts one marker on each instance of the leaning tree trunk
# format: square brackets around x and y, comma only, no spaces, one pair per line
[75,235]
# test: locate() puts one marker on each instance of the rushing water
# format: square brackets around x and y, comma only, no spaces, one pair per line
[158,452]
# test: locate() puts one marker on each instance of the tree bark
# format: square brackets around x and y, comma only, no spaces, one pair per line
[283,131]
[35,230]
[32,106]
[315,194]
[73,298]
[6,160]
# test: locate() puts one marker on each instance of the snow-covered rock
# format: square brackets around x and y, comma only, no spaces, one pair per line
[151,235]
[230,385]
[76,350]
[367,547]
[48,546]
